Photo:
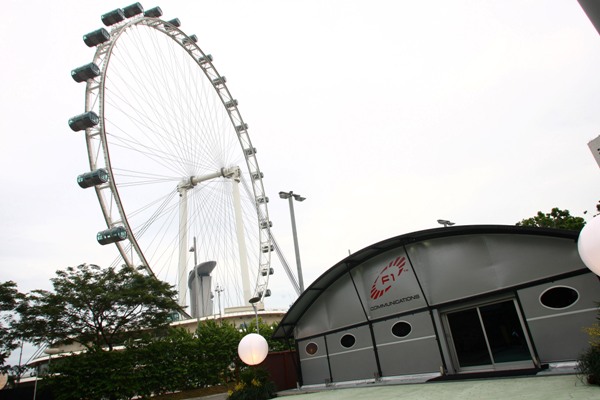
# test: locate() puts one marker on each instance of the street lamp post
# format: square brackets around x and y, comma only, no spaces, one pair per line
[253,348]
[219,289]
[49,351]
[290,196]
[253,301]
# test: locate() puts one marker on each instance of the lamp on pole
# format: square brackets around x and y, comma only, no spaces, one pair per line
[253,301]
[49,351]
[219,289]
[290,196]
[445,222]
[253,348]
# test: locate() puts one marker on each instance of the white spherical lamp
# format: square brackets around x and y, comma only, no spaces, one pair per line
[253,349]
[588,245]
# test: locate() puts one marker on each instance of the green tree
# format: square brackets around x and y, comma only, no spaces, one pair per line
[219,343]
[9,297]
[557,218]
[165,364]
[267,332]
[96,307]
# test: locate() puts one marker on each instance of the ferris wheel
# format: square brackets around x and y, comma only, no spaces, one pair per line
[171,160]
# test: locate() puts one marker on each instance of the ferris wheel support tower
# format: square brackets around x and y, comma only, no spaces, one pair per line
[188,184]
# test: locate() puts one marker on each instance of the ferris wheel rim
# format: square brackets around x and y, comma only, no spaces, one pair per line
[95,99]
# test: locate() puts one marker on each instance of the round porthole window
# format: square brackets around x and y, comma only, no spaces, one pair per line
[559,297]
[348,341]
[312,348]
[401,329]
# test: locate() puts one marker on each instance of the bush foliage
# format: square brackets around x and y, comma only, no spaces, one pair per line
[254,384]
[589,361]
[150,366]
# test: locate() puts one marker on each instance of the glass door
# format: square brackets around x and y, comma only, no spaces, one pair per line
[489,336]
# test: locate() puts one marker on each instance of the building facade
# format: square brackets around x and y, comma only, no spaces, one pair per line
[446,301]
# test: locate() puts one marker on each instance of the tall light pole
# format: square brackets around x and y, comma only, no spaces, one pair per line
[49,351]
[290,196]
[219,289]
[253,302]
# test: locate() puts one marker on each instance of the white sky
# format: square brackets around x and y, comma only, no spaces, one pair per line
[386,115]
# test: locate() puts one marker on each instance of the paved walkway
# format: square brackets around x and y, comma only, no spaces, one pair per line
[220,396]
[556,387]
[550,387]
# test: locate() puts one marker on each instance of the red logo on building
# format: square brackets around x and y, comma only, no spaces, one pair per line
[387,277]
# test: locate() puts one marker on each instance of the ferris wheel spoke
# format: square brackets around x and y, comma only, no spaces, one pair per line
[161,158]
[154,140]
[179,145]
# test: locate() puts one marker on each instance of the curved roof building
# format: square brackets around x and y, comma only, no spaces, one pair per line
[446,301]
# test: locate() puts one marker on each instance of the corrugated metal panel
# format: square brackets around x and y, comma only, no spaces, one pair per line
[558,333]
[310,295]
[415,353]
[315,367]
[459,267]
[336,308]
[355,362]
[387,285]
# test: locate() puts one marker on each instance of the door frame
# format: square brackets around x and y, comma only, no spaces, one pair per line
[531,363]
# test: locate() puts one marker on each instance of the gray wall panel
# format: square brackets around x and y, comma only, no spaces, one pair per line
[411,357]
[315,368]
[587,285]
[453,267]
[561,338]
[415,353]
[456,267]
[337,307]
[356,362]
[421,325]
[558,334]
[529,258]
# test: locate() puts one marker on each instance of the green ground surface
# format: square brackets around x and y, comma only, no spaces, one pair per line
[527,388]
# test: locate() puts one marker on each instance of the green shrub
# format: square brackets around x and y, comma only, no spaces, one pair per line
[149,366]
[254,384]
[589,365]
[91,375]
[589,361]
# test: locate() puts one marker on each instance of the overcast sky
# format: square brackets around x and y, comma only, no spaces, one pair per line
[386,115]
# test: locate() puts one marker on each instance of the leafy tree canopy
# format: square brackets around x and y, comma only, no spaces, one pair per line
[9,297]
[557,218]
[96,307]
[267,331]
